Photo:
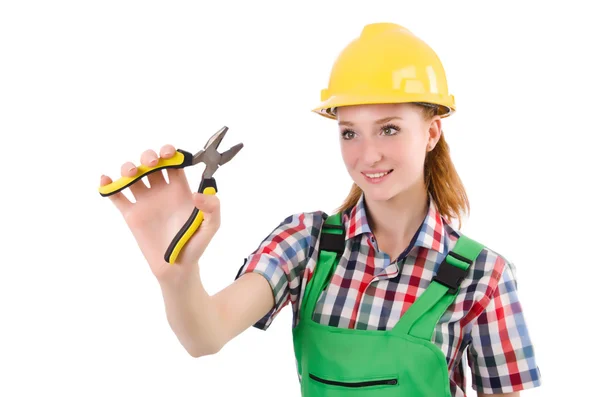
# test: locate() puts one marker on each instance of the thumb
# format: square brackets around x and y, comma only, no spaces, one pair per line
[209,204]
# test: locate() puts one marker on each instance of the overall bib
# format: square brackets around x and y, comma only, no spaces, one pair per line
[340,362]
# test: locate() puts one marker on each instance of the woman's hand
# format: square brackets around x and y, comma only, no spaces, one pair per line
[161,210]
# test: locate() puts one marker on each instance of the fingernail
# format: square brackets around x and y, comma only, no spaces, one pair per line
[132,169]
[168,154]
[154,162]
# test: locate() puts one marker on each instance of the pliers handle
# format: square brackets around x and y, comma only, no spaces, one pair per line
[207,186]
[180,159]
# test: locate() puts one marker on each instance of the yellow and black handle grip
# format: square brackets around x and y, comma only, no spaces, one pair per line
[207,186]
[180,159]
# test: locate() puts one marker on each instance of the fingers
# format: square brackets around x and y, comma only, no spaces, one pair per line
[149,158]
[137,188]
[167,151]
[175,174]
[118,199]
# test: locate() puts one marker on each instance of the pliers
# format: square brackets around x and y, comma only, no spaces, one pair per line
[209,156]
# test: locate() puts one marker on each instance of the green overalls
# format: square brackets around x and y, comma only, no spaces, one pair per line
[402,361]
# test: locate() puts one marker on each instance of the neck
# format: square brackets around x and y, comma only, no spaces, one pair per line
[398,218]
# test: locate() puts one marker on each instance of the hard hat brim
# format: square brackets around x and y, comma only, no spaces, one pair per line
[325,108]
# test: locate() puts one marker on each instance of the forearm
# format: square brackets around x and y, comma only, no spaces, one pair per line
[192,316]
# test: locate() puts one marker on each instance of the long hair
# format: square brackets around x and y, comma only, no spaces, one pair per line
[441,179]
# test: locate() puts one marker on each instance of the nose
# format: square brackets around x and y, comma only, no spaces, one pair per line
[371,152]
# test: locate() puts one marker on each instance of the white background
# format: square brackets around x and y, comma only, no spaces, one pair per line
[86,86]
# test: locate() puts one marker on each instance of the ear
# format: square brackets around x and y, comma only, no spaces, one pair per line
[434,132]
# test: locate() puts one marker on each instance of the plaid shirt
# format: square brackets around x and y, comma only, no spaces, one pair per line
[370,290]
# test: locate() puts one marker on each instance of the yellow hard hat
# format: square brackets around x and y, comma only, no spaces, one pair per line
[386,64]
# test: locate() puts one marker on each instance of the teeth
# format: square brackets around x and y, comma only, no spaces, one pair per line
[378,175]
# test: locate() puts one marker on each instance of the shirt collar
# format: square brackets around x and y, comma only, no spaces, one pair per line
[431,235]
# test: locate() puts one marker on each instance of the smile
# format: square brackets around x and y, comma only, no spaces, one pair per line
[376,177]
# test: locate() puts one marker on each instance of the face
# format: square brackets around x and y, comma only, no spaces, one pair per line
[384,147]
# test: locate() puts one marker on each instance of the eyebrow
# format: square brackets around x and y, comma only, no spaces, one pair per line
[380,121]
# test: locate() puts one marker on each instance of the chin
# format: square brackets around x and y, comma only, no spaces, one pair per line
[379,194]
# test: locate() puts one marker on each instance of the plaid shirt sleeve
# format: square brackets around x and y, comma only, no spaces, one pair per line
[501,355]
[281,258]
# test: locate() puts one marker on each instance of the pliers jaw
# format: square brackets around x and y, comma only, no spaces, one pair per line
[211,157]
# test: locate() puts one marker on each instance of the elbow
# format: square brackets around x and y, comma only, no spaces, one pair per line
[197,353]
[204,350]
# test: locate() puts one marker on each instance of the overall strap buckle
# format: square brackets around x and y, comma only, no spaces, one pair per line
[451,275]
[333,238]
[455,266]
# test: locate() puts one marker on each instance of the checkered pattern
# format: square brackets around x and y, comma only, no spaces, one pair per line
[485,327]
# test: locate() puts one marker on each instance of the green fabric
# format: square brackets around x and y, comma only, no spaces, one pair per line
[336,362]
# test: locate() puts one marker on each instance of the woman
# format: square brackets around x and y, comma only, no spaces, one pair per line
[388,296]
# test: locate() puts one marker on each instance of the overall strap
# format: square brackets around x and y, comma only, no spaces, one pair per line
[331,247]
[421,318]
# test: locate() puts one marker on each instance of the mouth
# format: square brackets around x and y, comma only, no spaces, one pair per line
[376,177]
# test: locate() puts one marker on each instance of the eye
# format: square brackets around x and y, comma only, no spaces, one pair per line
[348,134]
[390,129]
